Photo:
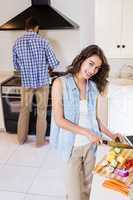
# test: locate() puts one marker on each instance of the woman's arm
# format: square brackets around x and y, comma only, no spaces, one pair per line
[57,107]
[106,131]
[114,136]
[103,129]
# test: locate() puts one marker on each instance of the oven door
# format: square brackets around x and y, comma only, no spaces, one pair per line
[11,109]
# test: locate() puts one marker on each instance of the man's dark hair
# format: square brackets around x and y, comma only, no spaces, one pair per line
[31,23]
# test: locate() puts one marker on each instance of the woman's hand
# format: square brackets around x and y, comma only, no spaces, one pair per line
[95,139]
[117,137]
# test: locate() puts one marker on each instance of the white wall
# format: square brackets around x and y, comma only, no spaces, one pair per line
[81,12]
[11,8]
[67,43]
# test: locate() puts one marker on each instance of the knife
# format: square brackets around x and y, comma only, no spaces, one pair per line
[117,144]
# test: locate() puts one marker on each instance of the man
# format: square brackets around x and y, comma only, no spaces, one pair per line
[32,56]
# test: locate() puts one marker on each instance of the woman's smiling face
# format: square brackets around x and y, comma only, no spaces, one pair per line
[90,67]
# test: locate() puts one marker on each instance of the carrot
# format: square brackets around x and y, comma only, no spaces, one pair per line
[116,186]
[109,186]
[112,185]
[116,189]
[118,182]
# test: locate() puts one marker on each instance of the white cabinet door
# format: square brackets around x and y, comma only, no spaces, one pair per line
[120,111]
[127,29]
[113,27]
[116,115]
[108,26]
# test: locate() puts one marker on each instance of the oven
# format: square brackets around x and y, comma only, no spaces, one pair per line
[11,108]
[11,99]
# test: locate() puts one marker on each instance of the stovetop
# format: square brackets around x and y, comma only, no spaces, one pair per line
[13,81]
[16,80]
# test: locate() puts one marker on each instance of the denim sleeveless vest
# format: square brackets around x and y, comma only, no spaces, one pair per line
[61,139]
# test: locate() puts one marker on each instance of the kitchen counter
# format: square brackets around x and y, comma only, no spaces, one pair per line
[98,191]
[5,75]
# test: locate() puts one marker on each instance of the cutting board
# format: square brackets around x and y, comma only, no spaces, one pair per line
[127,154]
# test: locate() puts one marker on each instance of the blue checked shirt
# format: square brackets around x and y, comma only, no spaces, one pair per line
[32,55]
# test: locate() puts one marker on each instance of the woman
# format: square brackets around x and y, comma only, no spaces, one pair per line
[76,128]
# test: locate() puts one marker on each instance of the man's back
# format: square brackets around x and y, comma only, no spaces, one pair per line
[32,55]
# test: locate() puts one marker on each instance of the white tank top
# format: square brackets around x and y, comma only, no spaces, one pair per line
[83,122]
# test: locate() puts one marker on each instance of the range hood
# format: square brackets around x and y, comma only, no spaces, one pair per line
[47,17]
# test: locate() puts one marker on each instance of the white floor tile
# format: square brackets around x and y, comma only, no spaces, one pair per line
[51,177]
[60,173]
[48,185]
[39,197]
[24,168]
[53,166]
[5,152]
[16,179]
[8,146]
[29,155]
[5,195]
[53,161]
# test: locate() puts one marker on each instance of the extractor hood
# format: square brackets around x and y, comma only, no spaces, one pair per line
[47,17]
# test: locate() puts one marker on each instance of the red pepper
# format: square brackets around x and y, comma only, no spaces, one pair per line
[128,164]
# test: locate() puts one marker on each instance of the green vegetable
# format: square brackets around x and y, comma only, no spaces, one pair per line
[117,150]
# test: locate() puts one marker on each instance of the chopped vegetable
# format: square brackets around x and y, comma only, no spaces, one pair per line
[114,163]
[111,156]
[112,153]
[120,159]
[118,182]
[109,169]
[104,163]
[121,172]
[117,150]
[128,164]
[116,185]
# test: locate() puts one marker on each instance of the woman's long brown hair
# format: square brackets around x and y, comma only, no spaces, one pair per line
[100,78]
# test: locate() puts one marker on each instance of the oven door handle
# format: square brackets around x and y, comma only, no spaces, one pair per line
[11,97]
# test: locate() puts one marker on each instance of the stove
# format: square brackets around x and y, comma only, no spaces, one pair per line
[11,99]
[12,86]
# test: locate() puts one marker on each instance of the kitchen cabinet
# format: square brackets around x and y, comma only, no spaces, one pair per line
[113,27]
[120,109]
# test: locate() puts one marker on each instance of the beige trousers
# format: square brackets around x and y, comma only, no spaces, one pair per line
[79,173]
[26,104]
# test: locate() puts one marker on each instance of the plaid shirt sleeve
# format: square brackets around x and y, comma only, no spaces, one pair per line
[16,66]
[50,56]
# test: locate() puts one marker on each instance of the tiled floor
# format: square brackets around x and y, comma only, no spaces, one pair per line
[29,173]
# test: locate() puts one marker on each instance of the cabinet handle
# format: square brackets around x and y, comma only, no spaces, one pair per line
[123,46]
[118,46]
